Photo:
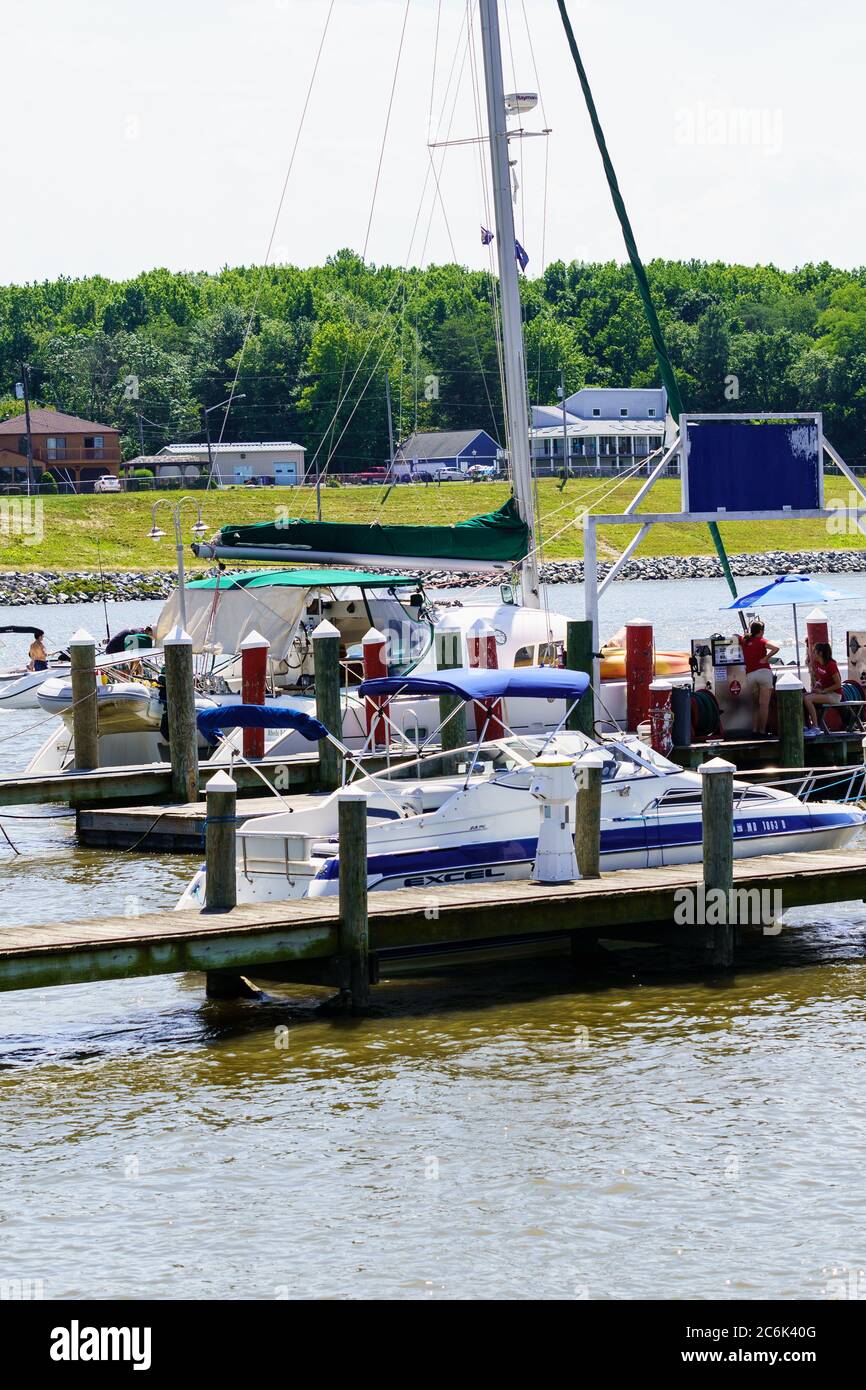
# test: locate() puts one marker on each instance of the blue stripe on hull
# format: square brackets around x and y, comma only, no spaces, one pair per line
[639,839]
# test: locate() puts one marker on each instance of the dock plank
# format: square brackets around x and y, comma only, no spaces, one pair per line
[306,929]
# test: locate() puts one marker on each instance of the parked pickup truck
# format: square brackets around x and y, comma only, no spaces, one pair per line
[372,475]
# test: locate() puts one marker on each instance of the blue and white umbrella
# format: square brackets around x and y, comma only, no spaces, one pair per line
[789,589]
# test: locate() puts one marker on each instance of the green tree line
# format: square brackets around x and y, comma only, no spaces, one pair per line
[312,348]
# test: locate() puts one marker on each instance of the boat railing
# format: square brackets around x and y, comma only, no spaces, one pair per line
[288,860]
[826,784]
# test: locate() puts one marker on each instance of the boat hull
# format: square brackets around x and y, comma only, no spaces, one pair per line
[503,861]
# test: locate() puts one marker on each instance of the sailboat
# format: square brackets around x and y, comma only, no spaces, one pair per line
[498,542]
[526,632]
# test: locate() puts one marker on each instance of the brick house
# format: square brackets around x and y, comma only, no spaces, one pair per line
[76,452]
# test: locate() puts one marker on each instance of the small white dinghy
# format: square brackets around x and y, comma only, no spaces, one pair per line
[20,689]
[124,706]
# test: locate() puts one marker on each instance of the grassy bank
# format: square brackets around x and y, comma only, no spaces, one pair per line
[70,526]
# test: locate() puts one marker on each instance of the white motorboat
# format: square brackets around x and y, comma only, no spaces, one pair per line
[19,688]
[480,824]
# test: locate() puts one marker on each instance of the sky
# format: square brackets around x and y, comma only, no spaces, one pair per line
[159,133]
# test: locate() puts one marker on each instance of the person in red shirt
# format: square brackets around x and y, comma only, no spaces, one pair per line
[759,678]
[826,685]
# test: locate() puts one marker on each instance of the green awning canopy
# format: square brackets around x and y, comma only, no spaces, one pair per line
[303,579]
[498,536]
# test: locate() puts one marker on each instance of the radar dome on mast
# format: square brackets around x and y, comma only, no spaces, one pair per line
[517,103]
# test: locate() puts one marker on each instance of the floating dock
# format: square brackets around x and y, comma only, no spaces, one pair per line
[300,940]
[175,829]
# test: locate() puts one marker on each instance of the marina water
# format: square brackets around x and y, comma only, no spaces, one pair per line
[491,1132]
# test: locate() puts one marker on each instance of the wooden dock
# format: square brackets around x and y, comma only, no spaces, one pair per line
[174,828]
[300,940]
[149,782]
[828,750]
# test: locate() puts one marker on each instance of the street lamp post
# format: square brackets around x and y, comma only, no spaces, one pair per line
[206,412]
[156,534]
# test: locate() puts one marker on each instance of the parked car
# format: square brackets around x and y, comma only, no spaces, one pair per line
[483,472]
[439,473]
[372,475]
[107,483]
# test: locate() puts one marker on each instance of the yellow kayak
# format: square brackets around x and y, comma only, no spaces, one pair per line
[666,663]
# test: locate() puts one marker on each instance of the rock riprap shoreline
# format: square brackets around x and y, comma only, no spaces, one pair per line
[85,586]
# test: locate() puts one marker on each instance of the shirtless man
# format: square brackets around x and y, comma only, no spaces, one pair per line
[37,653]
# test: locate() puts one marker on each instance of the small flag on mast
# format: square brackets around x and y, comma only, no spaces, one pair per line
[520,254]
[486,235]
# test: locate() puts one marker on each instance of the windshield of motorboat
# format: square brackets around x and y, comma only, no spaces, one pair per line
[521,749]
[621,758]
[406,624]
[630,747]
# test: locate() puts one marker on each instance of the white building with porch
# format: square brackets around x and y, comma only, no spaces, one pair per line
[278,464]
[599,429]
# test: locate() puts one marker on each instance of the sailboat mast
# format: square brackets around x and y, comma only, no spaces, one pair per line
[516,403]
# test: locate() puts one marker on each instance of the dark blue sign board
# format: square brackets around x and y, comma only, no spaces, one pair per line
[756,463]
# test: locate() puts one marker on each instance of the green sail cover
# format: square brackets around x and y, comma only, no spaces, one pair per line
[499,535]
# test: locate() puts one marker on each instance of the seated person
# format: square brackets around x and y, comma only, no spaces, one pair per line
[826,685]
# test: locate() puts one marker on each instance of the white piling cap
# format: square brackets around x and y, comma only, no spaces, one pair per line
[325,629]
[352,796]
[638,622]
[221,782]
[816,616]
[591,760]
[660,685]
[717,765]
[481,625]
[373,637]
[789,681]
[81,638]
[254,640]
[177,638]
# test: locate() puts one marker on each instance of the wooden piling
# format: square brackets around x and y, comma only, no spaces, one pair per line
[220,843]
[354,924]
[579,657]
[221,893]
[587,819]
[180,703]
[85,714]
[717,816]
[254,651]
[326,664]
[789,709]
[448,657]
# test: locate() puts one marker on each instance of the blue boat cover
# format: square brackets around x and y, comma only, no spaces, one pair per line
[211,721]
[533,682]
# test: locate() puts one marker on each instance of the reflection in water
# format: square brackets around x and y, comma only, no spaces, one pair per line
[515,1131]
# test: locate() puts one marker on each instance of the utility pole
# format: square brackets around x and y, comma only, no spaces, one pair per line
[564,426]
[25,385]
[390,422]
[241,396]
[209,450]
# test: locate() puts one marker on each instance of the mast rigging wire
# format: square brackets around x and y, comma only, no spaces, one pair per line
[278,214]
